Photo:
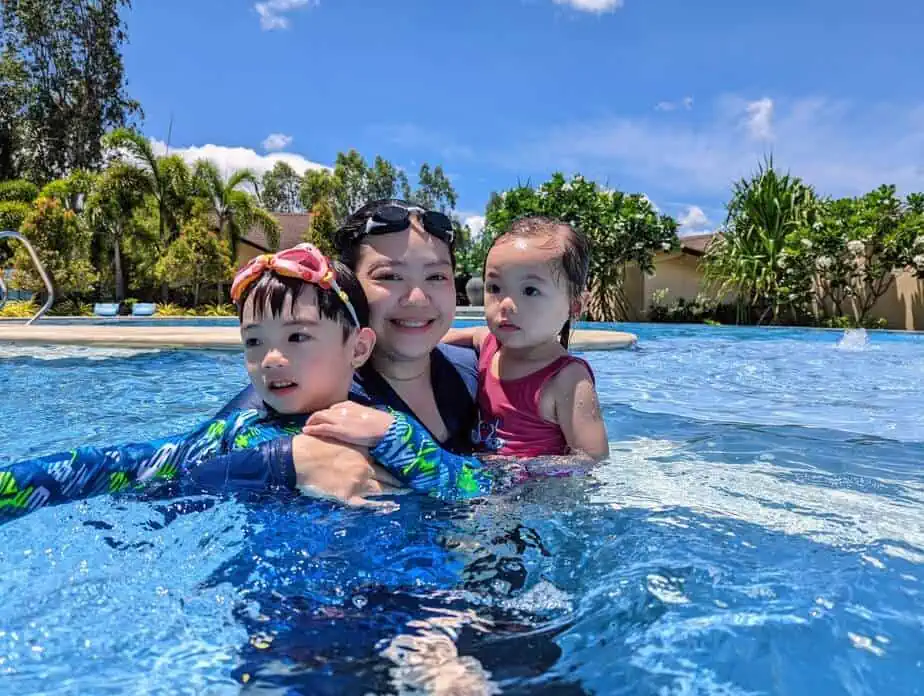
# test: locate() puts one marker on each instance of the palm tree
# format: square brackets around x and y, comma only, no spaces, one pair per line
[234,210]
[117,193]
[745,258]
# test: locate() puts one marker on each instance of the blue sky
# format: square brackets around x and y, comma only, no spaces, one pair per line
[672,98]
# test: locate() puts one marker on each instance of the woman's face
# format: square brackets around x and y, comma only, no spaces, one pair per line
[407,277]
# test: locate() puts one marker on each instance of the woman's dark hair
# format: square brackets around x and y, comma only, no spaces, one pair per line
[275,288]
[575,258]
[349,236]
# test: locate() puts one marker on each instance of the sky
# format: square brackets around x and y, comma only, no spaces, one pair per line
[675,99]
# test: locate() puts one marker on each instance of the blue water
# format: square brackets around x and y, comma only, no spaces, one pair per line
[758,529]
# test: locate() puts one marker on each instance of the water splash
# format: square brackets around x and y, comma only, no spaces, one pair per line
[854,339]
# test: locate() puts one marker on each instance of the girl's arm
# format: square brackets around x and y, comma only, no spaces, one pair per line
[577,412]
[472,337]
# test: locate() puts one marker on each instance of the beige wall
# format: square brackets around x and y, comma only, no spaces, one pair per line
[677,273]
[902,306]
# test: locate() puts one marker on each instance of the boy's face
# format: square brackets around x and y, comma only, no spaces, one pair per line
[299,362]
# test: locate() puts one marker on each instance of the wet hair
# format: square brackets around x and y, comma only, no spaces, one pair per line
[347,244]
[575,258]
[274,289]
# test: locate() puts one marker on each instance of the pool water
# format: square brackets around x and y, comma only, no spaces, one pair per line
[758,529]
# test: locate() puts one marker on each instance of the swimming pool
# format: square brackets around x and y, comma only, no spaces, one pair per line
[758,529]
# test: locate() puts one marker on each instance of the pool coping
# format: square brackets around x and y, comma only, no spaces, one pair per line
[215,337]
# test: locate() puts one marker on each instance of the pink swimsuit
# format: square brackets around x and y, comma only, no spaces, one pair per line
[509,421]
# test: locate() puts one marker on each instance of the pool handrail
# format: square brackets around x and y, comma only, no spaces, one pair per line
[41,269]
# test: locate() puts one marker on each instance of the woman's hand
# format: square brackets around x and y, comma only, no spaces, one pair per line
[350,423]
[336,470]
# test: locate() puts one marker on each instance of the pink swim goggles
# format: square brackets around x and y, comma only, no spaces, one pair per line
[303,261]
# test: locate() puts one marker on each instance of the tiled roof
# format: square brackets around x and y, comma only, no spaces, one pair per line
[292,228]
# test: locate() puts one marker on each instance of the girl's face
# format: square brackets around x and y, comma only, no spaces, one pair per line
[299,361]
[408,280]
[526,297]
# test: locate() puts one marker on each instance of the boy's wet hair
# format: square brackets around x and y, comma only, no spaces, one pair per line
[575,258]
[274,288]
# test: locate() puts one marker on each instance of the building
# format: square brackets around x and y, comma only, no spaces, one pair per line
[293,227]
[680,275]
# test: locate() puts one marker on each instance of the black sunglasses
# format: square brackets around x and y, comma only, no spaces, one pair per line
[396,218]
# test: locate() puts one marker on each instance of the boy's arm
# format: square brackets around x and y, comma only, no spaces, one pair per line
[85,472]
[471,337]
[577,411]
[89,471]
[409,452]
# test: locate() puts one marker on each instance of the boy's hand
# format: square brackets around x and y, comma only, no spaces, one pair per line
[350,423]
[336,470]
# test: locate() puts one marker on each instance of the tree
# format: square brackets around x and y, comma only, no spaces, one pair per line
[848,259]
[321,228]
[61,239]
[353,183]
[281,188]
[745,258]
[13,94]
[235,211]
[168,179]
[110,209]
[623,229]
[197,257]
[434,190]
[15,203]
[64,74]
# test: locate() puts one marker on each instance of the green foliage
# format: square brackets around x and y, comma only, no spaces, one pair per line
[353,183]
[62,241]
[703,309]
[110,209]
[234,210]
[280,191]
[321,228]
[623,229]
[18,191]
[62,85]
[847,260]
[198,256]
[18,309]
[764,211]
[168,309]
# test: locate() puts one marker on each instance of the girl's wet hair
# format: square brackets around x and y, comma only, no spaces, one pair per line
[274,289]
[575,258]
[347,242]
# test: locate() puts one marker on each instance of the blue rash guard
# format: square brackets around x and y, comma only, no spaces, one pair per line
[453,373]
[245,449]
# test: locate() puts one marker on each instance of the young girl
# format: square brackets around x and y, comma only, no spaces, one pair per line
[534,397]
[304,325]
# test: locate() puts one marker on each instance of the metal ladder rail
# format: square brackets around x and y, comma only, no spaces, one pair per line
[41,269]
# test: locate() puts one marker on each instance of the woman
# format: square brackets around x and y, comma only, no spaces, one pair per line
[403,258]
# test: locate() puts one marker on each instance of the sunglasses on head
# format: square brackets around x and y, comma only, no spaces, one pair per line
[397,218]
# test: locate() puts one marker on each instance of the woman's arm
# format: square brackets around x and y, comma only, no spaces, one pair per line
[471,337]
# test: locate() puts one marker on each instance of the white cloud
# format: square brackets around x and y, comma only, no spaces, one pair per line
[685,103]
[475,224]
[841,148]
[273,13]
[596,6]
[277,141]
[230,159]
[693,221]
[760,118]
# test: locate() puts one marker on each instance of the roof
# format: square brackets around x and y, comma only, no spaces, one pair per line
[292,227]
[696,244]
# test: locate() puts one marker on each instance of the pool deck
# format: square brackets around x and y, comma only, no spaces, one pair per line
[212,337]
